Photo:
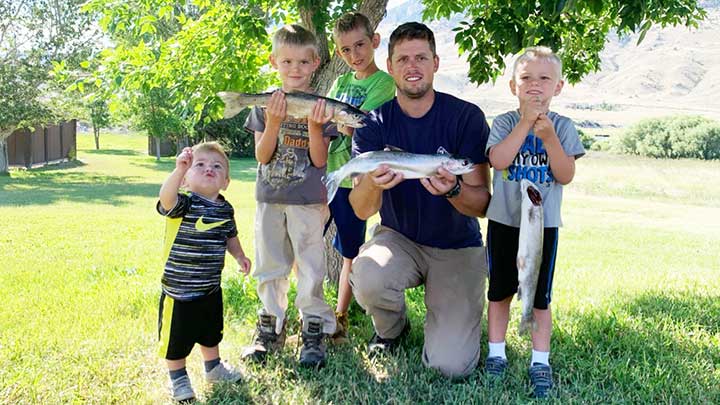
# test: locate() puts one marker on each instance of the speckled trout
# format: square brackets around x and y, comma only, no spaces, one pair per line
[411,165]
[529,255]
[299,105]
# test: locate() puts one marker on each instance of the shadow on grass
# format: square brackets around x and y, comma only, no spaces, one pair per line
[48,185]
[655,348]
[119,152]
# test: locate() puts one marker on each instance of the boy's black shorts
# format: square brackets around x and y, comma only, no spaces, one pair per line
[502,247]
[181,324]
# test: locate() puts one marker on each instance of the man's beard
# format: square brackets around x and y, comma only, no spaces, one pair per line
[415,93]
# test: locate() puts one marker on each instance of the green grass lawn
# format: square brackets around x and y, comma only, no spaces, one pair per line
[636,293]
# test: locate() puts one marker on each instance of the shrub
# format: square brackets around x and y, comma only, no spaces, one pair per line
[672,137]
[232,134]
[586,139]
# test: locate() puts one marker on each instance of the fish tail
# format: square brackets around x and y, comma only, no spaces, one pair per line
[527,323]
[233,103]
[332,182]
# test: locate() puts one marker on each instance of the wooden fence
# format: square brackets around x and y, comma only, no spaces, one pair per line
[52,144]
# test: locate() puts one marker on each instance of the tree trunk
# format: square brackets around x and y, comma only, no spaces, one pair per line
[332,66]
[157,149]
[4,163]
[96,132]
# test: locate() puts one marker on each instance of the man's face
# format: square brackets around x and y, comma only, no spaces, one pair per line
[413,66]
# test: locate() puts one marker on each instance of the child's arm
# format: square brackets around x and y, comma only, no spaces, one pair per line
[169,188]
[236,250]
[318,143]
[562,165]
[266,141]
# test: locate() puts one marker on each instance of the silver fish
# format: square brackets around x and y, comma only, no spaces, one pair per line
[529,255]
[411,165]
[299,105]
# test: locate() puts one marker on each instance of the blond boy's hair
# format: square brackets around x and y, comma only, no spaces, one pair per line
[542,53]
[294,35]
[351,21]
[213,147]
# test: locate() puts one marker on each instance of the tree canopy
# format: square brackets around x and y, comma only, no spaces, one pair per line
[577,30]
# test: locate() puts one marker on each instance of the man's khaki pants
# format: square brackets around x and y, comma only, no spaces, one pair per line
[454,279]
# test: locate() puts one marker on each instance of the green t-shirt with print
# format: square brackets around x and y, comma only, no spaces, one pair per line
[366,94]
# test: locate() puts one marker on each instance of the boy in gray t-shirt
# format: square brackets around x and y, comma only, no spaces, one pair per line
[541,146]
[291,206]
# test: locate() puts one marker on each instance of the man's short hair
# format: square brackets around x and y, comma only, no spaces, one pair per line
[213,147]
[408,31]
[294,35]
[542,53]
[351,21]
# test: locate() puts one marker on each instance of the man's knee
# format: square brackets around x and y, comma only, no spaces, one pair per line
[366,280]
[458,368]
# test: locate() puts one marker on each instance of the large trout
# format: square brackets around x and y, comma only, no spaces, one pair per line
[411,165]
[529,255]
[299,105]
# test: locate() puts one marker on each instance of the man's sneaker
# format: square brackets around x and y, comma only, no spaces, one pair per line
[312,352]
[223,372]
[341,333]
[495,366]
[182,390]
[379,345]
[540,379]
[266,340]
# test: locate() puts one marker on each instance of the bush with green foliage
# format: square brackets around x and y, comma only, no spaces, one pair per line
[232,134]
[672,137]
[587,139]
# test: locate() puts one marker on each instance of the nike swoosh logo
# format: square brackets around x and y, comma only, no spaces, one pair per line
[203,226]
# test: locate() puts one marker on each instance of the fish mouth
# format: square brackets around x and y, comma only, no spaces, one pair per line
[534,196]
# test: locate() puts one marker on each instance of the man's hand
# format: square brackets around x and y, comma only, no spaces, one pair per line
[441,183]
[245,264]
[385,178]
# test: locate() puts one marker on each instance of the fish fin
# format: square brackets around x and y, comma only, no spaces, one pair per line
[390,148]
[332,182]
[443,151]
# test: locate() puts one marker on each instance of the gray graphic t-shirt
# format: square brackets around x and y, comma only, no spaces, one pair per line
[532,163]
[289,177]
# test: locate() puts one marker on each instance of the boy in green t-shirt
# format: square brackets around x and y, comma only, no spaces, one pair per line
[367,88]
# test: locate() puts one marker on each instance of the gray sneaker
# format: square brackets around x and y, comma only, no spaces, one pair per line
[312,353]
[266,340]
[223,372]
[182,390]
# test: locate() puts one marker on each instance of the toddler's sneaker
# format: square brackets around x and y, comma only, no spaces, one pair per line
[266,340]
[182,390]
[540,379]
[312,352]
[223,372]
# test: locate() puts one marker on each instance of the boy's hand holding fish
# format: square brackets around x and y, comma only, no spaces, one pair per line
[276,110]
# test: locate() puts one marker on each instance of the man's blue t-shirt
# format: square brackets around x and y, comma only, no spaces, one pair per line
[457,126]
